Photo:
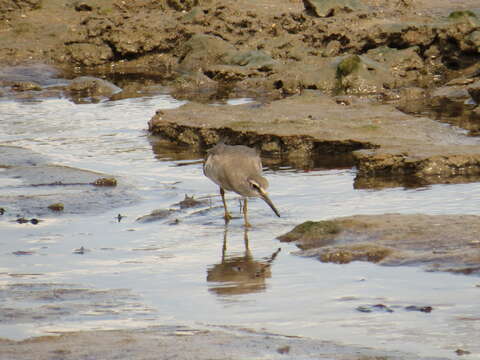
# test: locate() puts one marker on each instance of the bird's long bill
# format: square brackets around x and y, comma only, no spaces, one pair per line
[270,203]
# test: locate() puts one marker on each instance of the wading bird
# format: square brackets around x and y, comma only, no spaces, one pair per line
[237,168]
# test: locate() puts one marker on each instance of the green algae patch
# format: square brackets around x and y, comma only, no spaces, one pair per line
[348,65]
[434,242]
[464,16]
[310,230]
[455,15]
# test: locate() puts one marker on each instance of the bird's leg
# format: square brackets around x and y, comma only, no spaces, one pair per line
[227,216]
[224,247]
[245,239]
[245,211]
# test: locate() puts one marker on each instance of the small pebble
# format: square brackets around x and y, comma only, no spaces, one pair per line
[461,352]
[81,250]
[105,182]
[56,207]
[372,308]
[284,349]
[21,252]
[425,309]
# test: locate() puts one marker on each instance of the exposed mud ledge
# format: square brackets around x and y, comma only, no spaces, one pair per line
[440,243]
[384,141]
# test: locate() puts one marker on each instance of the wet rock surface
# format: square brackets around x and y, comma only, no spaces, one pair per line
[91,87]
[311,124]
[34,187]
[437,243]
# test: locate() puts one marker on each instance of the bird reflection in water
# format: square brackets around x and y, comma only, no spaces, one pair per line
[238,275]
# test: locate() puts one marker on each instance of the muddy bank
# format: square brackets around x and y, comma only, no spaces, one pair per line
[276,46]
[185,343]
[437,243]
[32,186]
[384,141]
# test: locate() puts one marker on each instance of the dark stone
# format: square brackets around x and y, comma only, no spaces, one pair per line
[155,215]
[83,5]
[88,86]
[87,54]
[326,8]
[426,309]
[374,308]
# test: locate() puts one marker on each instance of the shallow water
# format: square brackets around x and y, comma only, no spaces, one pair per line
[171,271]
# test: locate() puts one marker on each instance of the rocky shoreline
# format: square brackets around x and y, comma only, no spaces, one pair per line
[393,86]
[365,59]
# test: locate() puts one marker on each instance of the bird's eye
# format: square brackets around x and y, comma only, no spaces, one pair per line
[254,186]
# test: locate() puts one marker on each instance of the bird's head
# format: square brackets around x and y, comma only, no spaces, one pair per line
[258,187]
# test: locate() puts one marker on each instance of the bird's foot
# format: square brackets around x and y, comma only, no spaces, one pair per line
[227,217]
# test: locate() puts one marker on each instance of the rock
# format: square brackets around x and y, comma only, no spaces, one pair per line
[311,230]
[405,65]
[105,181]
[258,60]
[474,91]
[320,76]
[333,48]
[449,163]
[326,8]
[283,350]
[25,86]
[83,5]
[374,308]
[195,86]
[190,202]
[471,42]
[182,5]
[453,94]
[412,100]
[437,242]
[425,309]
[460,15]
[202,50]
[18,5]
[383,141]
[87,54]
[362,75]
[221,61]
[226,73]
[195,16]
[461,352]
[155,215]
[56,207]
[88,86]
